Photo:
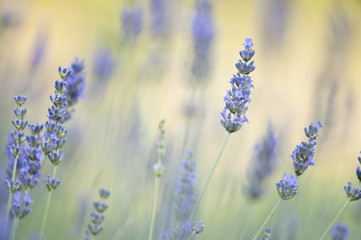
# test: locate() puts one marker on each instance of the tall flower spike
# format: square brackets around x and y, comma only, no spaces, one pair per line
[287,187]
[234,113]
[339,232]
[303,154]
[262,164]
[16,149]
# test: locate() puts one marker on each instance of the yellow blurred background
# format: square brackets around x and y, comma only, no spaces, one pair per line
[307,69]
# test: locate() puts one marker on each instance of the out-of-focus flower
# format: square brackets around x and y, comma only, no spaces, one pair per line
[339,232]
[132,24]
[262,164]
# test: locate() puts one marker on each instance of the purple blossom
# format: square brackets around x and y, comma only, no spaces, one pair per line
[287,187]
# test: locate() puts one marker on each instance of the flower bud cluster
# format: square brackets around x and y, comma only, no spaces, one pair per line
[287,187]
[158,168]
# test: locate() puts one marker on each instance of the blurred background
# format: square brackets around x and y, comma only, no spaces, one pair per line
[145,60]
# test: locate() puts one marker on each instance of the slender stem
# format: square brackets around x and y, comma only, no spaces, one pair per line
[210,175]
[242,231]
[267,219]
[13,230]
[10,193]
[337,216]
[191,236]
[156,186]
[45,216]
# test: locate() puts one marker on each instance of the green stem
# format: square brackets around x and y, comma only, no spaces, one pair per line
[10,193]
[13,230]
[210,175]
[191,236]
[156,186]
[267,219]
[45,216]
[337,216]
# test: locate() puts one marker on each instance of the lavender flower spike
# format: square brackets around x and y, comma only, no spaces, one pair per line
[234,113]
[303,154]
[287,187]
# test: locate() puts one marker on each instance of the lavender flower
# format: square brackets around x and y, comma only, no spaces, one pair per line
[132,24]
[54,137]
[234,113]
[97,217]
[203,35]
[16,150]
[287,187]
[303,154]
[262,164]
[352,193]
[339,232]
